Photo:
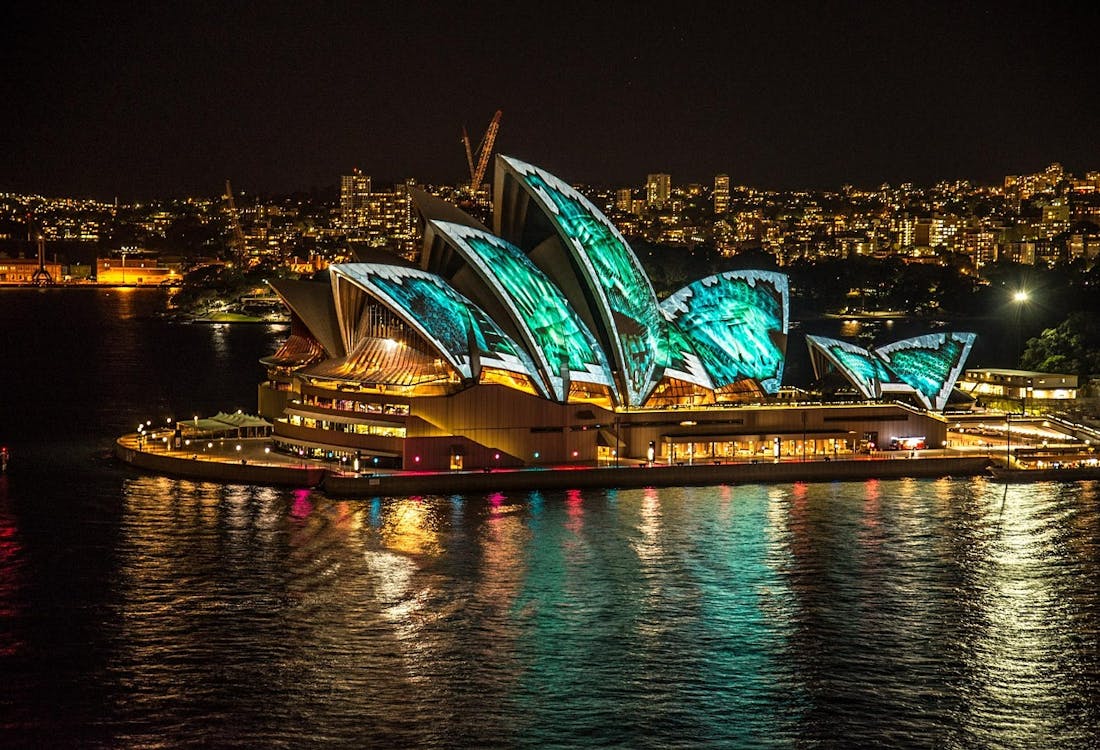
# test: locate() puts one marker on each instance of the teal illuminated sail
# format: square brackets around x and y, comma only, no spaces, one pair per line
[736,323]
[681,360]
[622,295]
[553,333]
[925,366]
[930,364]
[461,331]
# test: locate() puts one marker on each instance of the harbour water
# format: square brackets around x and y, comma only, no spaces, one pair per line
[140,611]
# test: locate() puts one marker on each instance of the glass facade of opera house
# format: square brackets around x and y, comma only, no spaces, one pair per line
[540,341]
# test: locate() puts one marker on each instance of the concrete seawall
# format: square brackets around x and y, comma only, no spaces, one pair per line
[220,471]
[656,476]
[261,468]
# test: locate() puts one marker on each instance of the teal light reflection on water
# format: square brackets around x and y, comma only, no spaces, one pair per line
[829,614]
[643,585]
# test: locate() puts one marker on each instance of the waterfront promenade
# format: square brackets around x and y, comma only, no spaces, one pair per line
[251,461]
[230,460]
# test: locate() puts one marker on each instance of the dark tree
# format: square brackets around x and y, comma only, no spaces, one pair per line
[1071,347]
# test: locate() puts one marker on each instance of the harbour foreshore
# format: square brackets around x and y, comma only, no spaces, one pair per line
[223,461]
[252,464]
[411,483]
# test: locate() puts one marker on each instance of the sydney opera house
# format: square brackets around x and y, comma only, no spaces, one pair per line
[541,341]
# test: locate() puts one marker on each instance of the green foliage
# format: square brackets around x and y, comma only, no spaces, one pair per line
[212,284]
[835,284]
[1071,347]
[671,268]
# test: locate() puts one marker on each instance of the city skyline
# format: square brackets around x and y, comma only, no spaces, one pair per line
[174,102]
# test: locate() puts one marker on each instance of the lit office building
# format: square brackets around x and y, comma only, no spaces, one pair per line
[721,194]
[354,199]
[658,188]
[624,200]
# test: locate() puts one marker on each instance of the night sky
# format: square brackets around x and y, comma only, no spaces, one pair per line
[165,100]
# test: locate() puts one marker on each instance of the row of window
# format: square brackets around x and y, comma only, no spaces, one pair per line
[358,429]
[753,448]
[365,407]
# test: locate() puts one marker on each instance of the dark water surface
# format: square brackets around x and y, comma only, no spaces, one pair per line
[139,611]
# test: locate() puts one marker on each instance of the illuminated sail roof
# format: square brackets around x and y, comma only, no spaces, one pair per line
[611,279]
[557,305]
[736,323]
[681,360]
[296,351]
[930,364]
[925,366]
[462,333]
[555,336]
[384,361]
[861,368]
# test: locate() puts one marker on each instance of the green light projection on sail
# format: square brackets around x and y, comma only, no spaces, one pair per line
[442,315]
[737,325]
[930,364]
[628,304]
[554,332]
[926,366]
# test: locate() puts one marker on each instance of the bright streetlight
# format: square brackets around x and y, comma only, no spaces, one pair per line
[1020,297]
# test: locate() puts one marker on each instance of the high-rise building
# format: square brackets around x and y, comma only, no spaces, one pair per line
[624,200]
[354,199]
[658,187]
[721,194]
[377,218]
[388,216]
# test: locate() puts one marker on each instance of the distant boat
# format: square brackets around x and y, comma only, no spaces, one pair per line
[870,315]
[5,457]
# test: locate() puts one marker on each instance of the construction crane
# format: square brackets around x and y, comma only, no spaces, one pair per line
[484,150]
[237,242]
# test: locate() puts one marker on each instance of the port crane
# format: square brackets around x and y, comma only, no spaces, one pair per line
[484,150]
[236,241]
[41,276]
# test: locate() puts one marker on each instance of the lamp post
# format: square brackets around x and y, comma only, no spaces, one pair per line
[1019,299]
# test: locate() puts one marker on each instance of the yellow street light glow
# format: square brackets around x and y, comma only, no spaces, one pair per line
[1021,296]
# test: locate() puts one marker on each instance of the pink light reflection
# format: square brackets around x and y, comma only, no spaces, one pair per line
[302,506]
